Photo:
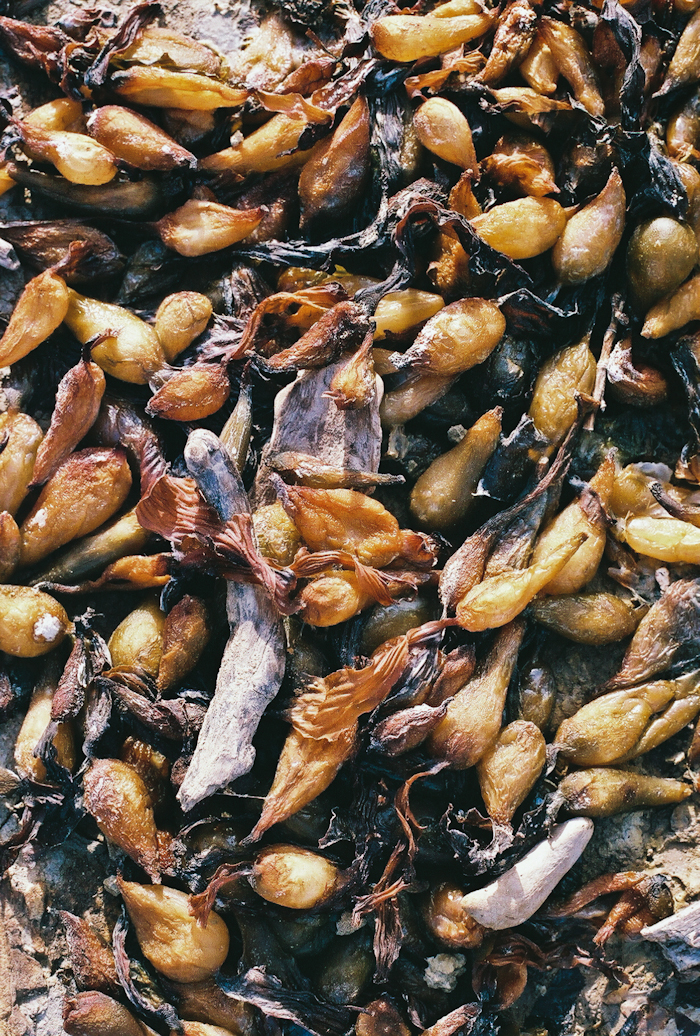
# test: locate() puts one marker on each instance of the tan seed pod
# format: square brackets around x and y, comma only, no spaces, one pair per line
[500,598]
[78,399]
[271,148]
[116,540]
[278,536]
[180,319]
[538,68]
[191,393]
[683,131]
[473,717]
[151,766]
[206,1002]
[457,338]
[41,308]
[333,178]
[443,129]
[298,879]
[536,694]
[77,157]
[170,937]
[185,636]
[583,516]
[418,392]
[380,1017]
[92,1013]
[599,618]
[331,599]
[31,622]
[507,771]
[666,539]
[136,140]
[603,792]
[403,37]
[590,238]
[399,311]
[63,113]
[86,490]
[674,311]
[10,545]
[354,385]
[684,67]
[522,228]
[116,796]
[200,227]
[35,722]
[161,88]
[128,348]
[448,921]
[91,959]
[574,62]
[523,163]
[570,371]
[660,255]
[607,728]
[137,642]
[443,495]
[21,436]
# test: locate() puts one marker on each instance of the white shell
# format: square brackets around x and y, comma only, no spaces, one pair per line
[521,891]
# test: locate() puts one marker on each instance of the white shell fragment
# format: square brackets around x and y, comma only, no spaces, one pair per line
[520,892]
[253,662]
[678,937]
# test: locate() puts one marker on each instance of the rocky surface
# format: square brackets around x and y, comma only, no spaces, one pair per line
[653,1000]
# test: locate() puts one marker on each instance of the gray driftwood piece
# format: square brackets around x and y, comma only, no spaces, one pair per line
[678,937]
[252,666]
[306,421]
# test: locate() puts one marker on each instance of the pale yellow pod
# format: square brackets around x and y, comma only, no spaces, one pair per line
[593,618]
[77,157]
[298,879]
[675,311]
[31,622]
[180,319]
[456,8]
[666,539]
[607,728]
[10,546]
[507,771]
[35,722]
[161,88]
[523,228]
[399,311]
[591,236]
[499,599]
[267,149]
[170,937]
[561,378]
[277,535]
[137,642]
[199,227]
[684,67]
[41,308]
[573,520]
[63,113]
[130,351]
[405,37]
[539,69]
[443,129]
[6,181]
[457,338]
[22,437]
[406,402]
